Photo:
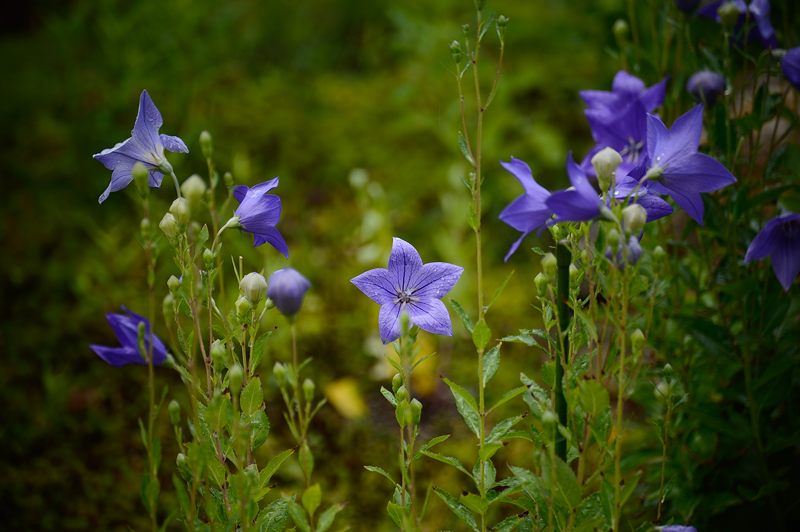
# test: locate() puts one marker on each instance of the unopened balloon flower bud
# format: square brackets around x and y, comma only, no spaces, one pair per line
[206,145]
[228,179]
[416,411]
[549,265]
[465,29]
[142,179]
[219,355]
[634,250]
[169,226]
[174,409]
[663,390]
[502,21]
[574,273]
[706,86]
[208,258]
[541,284]
[397,381]
[194,189]
[243,307]
[235,376]
[182,464]
[173,283]
[637,340]
[620,30]
[634,217]
[455,51]
[605,163]
[168,307]
[401,394]
[612,239]
[728,15]
[549,417]
[308,390]
[253,286]
[279,371]
[287,288]
[659,253]
[180,210]
[402,414]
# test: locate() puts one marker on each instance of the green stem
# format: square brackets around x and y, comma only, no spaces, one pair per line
[622,334]
[563,260]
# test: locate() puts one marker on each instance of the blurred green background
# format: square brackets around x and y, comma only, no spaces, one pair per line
[353,105]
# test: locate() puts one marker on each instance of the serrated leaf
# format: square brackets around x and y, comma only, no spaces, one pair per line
[481,335]
[489,451]
[326,518]
[459,310]
[430,444]
[219,413]
[312,497]
[462,145]
[449,460]
[489,474]
[252,397]
[259,425]
[526,336]
[508,396]
[389,396]
[274,517]
[466,406]
[298,516]
[273,465]
[382,472]
[474,503]
[491,361]
[501,429]
[593,397]
[461,511]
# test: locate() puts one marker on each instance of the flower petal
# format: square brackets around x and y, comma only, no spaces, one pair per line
[653,96]
[691,202]
[435,279]
[404,262]
[273,237]
[655,206]
[148,122]
[697,172]
[522,172]
[571,206]
[627,83]
[430,315]
[526,213]
[117,356]
[786,261]
[389,322]
[174,144]
[121,177]
[515,246]
[764,242]
[377,284]
[259,211]
[682,139]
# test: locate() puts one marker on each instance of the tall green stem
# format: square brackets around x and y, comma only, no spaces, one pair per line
[563,259]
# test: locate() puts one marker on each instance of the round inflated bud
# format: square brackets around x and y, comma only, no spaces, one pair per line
[173,283]
[181,461]
[206,145]
[659,253]
[634,250]
[253,286]
[228,179]
[416,411]
[141,176]
[402,413]
[612,239]
[235,376]
[541,284]
[180,210]
[401,394]
[308,390]
[208,258]
[169,226]
[549,417]
[168,307]
[502,21]
[194,189]
[174,409]
[219,355]
[243,307]
[621,31]
[663,390]
[549,265]
[455,51]
[728,14]
[465,29]
[144,229]
[397,381]
[706,86]
[279,371]
[287,288]
[605,163]
[637,340]
[634,217]
[574,273]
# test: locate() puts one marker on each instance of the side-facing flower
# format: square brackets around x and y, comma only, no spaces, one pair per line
[578,203]
[287,288]
[258,213]
[625,89]
[758,11]
[790,64]
[529,211]
[145,146]
[675,166]
[126,328]
[409,286]
[706,86]
[780,240]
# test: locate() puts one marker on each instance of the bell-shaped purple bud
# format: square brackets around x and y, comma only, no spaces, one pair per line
[287,287]
[790,64]
[706,86]
[687,6]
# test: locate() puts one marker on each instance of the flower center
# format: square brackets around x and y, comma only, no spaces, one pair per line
[632,149]
[405,296]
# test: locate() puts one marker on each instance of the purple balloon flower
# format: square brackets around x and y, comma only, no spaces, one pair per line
[780,239]
[675,167]
[791,66]
[578,203]
[529,211]
[411,287]
[705,86]
[259,212]
[625,89]
[287,288]
[126,327]
[758,11]
[145,146]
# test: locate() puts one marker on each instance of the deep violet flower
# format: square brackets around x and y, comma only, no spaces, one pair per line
[687,6]
[675,167]
[759,13]
[126,327]
[780,239]
[145,146]
[411,287]
[625,89]
[259,212]
[578,203]
[791,66]
[529,211]
[706,86]
[625,131]
[287,288]
[678,528]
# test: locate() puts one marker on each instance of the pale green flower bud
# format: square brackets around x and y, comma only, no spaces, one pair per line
[194,189]
[235,377]
[402,414]
[253,286]
[206,146]
[169,226]
[208,258]
[574,273]
[144,228]
[416,411]
[541,284]
[397,381]
[549,265]
[228,178]
[308,390]
[219,355]
[401,394]
[605,163]
[180,210]
[663,390]
[279,371]
[502,21]
[455,51]
[243,308]
[634,217]
[168,307]
[174,409]
[728,15]
[612,239]
[637,341]
[659,253]
[549,417]
[621,31]
[173,283]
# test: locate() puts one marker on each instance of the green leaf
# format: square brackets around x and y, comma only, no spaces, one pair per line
[389,396]
[593,397]
[259,424]
[568,491]
[298,516]
[499,291]
[489,474]
[461,511]
[462,145]
[430,444]
[489,450]
[466,405]
[629,486]
[202,238]
[481,335]
[475,503]
[509,395]
[449,460]
[219,413]
[382,472]
[503,428]
[252,396]
[274,517]
[312,498]
[396,513]
[459,310]
[526,336]
[272,466]
[327,517]
[509,524]
[491,361]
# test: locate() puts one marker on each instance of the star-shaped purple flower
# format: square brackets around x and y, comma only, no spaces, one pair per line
[126,327]
[790,64]
[411,287]
[780,239]
[259,212]
[625,89]
[529,211]
[578,203]
[145,146]
[675,167]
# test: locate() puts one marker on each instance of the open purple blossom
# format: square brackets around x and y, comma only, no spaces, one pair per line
[678,528]
[625,89]
[145,146]
[411,287]
[790,64]
[757,11]
[287,288]
[126,328]
[259,212]
[578,203]
[675,167]
[529,211]
[625,132]
[706,86]
[780,240]
[627,252]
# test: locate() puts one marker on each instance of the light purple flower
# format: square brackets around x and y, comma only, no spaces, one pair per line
[678,528]
[706,86]
[259,212]
[625,89]
[411,287]
[758,10]
[791,66]
[126,327]
[145,146]
[780,240]
[625,131]
[287,288]
[578,203]
[529,211]
[676,168]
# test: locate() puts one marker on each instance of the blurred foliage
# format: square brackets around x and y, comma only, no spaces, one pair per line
[353,105]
